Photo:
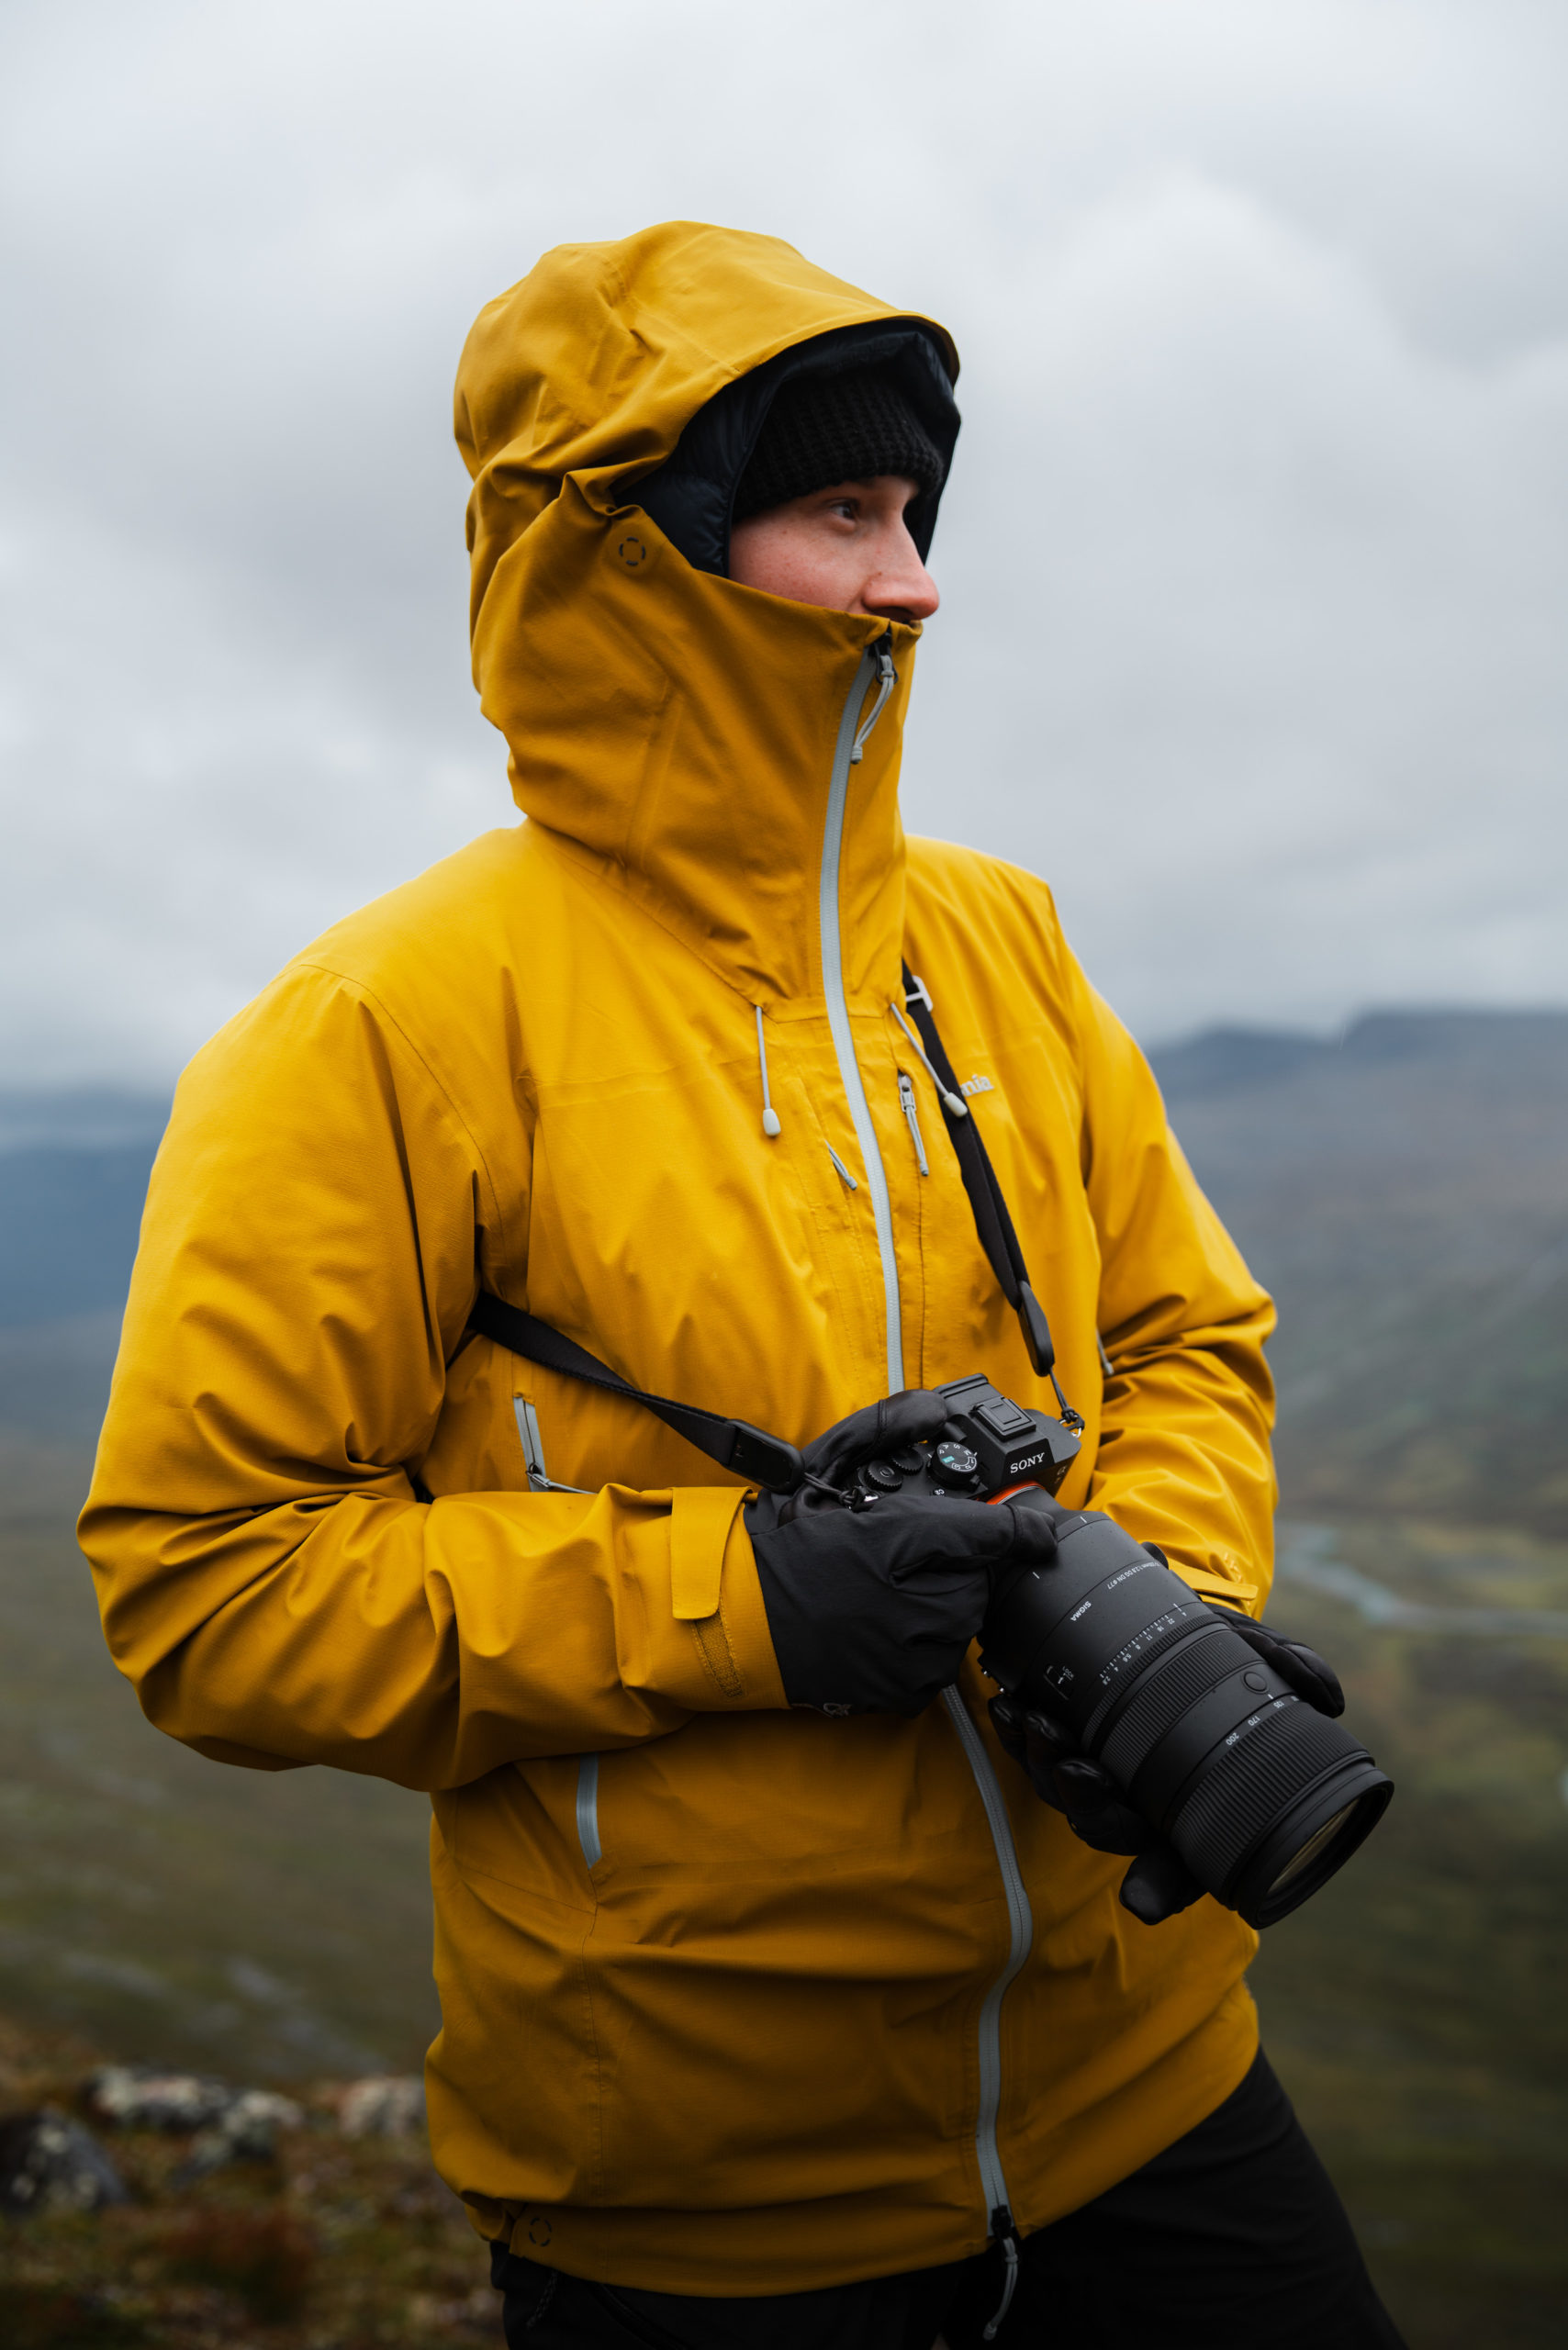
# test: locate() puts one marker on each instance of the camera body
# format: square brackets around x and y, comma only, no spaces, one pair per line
[989,1445]
[1263,1798]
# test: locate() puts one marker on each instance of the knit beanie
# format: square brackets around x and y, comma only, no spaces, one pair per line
[826,429]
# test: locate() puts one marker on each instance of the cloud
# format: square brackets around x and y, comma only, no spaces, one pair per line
[1254,590]
[1274,697]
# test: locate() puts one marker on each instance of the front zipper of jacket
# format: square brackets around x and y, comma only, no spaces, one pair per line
[877,665]
[1021,1934]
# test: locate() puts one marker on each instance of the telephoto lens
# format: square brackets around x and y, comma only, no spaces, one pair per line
[1263,1798]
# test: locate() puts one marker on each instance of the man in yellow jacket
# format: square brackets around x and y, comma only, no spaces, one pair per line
[776,2007]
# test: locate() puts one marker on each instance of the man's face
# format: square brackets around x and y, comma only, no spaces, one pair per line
[847,547]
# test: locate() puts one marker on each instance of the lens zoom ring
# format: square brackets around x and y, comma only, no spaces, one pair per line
[1243,1793]
[1134,1667]
[1173,1685]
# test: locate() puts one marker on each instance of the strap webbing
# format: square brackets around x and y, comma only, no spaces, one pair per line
[993,1221]
[752,1453]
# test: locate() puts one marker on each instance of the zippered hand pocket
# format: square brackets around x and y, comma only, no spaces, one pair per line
[906,1101]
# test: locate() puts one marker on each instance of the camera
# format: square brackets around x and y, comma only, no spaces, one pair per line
[989,1445]
[1263,1798]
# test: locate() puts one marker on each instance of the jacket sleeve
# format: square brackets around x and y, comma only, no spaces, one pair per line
[1183,1456]
[270,1578]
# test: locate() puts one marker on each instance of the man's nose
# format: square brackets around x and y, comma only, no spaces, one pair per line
[903,589]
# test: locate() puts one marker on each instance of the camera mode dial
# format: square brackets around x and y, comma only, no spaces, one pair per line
[954,1464]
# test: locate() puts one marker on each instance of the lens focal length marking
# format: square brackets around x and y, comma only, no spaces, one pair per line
[1139,1645]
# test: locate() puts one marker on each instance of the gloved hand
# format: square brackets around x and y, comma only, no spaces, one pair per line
[1308,1673]
[1158,1884]
[872,1607]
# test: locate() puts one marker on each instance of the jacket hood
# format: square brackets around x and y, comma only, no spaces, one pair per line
[593,366]
[679,727]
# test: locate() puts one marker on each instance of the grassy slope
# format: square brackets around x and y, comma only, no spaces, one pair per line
[1414,2007]
[263,1925]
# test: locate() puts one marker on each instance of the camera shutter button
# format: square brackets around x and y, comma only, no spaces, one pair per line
[884,1475]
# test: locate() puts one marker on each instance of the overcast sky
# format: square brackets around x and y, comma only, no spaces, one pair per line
[1254,560]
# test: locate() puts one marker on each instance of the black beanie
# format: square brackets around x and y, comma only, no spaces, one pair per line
[826,429]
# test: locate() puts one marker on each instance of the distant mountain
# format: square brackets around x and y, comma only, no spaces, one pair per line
[1404,1192]
[1403,1189]
[90,1118]
[73,1169]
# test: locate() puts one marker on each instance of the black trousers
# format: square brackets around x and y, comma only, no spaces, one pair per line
[1231,2238]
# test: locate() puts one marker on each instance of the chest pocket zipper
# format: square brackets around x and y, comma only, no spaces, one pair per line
[906,1102]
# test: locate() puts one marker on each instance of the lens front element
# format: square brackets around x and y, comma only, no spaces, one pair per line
[1310,1850]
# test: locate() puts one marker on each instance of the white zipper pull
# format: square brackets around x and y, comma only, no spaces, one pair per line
[1005,2233]
[887,678]
[770,1121]
[906,1097]
[845,1177]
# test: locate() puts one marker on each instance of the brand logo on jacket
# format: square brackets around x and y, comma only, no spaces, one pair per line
[977,1085]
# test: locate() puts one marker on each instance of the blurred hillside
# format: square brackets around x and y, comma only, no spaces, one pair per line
[73,1171]
[1404,1192]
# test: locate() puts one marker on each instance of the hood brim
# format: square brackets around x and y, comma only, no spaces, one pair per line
[691,496]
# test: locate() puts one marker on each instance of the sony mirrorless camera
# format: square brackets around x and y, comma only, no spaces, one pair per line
[1264,1798]
[988,1446]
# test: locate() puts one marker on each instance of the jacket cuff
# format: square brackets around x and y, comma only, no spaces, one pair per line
[720,1652]
[1208,1584]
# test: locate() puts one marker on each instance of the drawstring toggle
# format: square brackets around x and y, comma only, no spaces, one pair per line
[770,1121]
[954,1103]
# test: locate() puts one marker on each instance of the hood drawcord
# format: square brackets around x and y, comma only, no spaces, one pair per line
[887,678]
[954,1103]
[770,1119]
[771,1124]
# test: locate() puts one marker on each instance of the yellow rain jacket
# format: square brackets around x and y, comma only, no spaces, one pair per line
[737,1999]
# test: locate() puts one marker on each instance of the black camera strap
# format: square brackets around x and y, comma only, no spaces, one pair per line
[993,1220]
[752,1453]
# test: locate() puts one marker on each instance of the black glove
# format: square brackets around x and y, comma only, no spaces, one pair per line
[1158,1884]
[872,1606]
[912,1417]
[1309,1675]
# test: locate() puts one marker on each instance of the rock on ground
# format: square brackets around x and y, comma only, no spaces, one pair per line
[49,2163]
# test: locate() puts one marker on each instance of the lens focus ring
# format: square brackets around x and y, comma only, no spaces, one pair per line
[1177,1681]
[1245,1790]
